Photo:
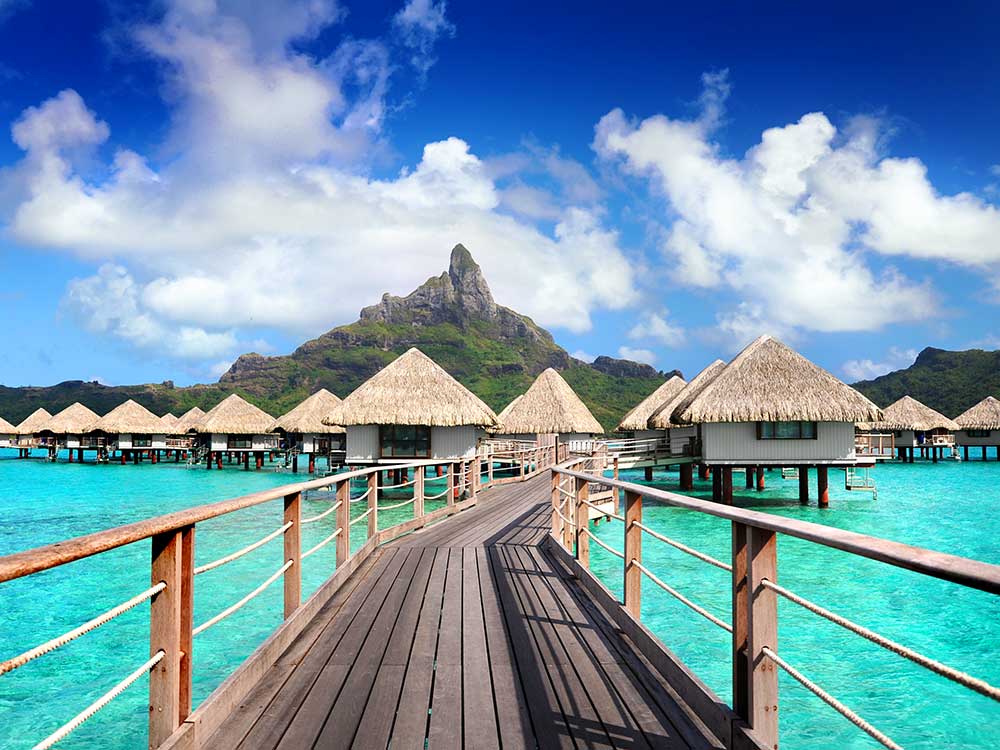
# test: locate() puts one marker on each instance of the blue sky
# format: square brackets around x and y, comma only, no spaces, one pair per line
[183,182]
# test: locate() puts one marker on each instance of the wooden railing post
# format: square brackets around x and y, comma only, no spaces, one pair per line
[489,470]
[755,626]
[452,488]
[293,552]
[373,504]
[524,461]
[582,492]
[474,478]
[186,644]
[165,635]
[343,516]
[418,492]
[633,553]
[557,522]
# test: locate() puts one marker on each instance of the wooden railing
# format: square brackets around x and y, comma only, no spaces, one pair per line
[875,445]
[173,574]
[753,568]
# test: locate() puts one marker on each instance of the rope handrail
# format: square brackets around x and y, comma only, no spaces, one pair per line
[684,548]
[324,514]
[399,486]
[233,607]
[18,661]
[973,683]
[600,510]
[565,492]
[239,553]
[437,496]
[828,699]
[612,550]
[362,517]
[322,544]
[64,731]
[362,496]
[396,505]
[683,599]
[570,521]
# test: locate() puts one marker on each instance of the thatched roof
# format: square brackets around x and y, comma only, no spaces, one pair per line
[187,420]
[638,418]
[307,417]
[73,420]
[412,389]
[234,416]
[129,418]
[769,381]
[983,416]
[33,422]
[910,414]
[169,422]
[506,410]
[549,406]
[6,428]
[665,416]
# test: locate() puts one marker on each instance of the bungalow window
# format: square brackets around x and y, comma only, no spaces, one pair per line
[786,430]
[405,441]
[978,433]
[239,442]
[142,441]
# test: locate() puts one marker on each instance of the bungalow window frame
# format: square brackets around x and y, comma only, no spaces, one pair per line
[978,433]
[419,432]
[239,442]
[774,430]
[142,440]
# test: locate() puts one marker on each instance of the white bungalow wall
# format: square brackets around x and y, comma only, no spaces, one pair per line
[446,442]
[962,437]
[737,442]
[157,442]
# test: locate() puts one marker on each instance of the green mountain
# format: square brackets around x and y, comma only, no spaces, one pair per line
[452,318]
[949,382]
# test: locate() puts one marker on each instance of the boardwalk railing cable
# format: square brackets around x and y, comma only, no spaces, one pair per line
[232,608]
[239,553]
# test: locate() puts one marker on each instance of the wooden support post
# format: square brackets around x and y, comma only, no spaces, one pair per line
[803,484]
[490,470]
[633,553]
[373,504]
[165,635]
[822,487]
[475,470]
[648,474]
[702,471]
[717,486]
[186,643]
[741,606]
[418,492]
[343,516]
[984,453]
[760,478]
[208,460]
[966,452]
[312,463]
[727,485]
[295,463]
[761,630]
[687,476]
[582,492]
[293,552]
[749,477]
[556,497]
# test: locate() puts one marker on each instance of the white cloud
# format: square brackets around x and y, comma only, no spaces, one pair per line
[220,368]
[583,356]
[655,326]
[995,170]
[645,356]
[795,225]
[266,214]
[866,369]
[420,23]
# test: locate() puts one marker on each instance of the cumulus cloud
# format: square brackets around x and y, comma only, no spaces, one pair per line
[266,213]
[645,356]
[655,326]
[801,225]
[583,356]
[867,369]
[420,23]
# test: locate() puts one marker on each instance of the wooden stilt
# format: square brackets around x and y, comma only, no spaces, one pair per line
[218,460]
[966,452]
[934,453]
[648,474]
[312,463]
[702,471]
[803,484]
[760,478]
[749,477]
[984,453]
[727,485]
[822,487]
[716,486]
[687,476]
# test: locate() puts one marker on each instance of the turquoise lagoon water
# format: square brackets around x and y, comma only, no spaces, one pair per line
[42,503]
[949,506]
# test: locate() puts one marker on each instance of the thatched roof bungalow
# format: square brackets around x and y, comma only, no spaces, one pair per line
[187,421]
[8,433]
[304,428]
[637,420]
[169,423]
[33,422]
[236,425]
[549,407]
[131,425]
[411,408]
[980,425]
[663,417]
[916,425]
[771,405]
[68,425]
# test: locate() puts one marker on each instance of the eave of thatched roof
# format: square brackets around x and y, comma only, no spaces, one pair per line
[769,381]
[307,417]
[129,418]
[412,390]
[187,420]
[234,416]
[33,422]
[6,428]
[170,422]
[983,416]
[549,406]
[638,418]
[73,420]
[910,414]
[664,416]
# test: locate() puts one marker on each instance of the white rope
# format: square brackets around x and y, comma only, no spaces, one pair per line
[100,703]
[399,486]
[828,699]
[397,505]
[62,640]
[973,683]
[322,544]
[684,548]
[568,494]
[362,496]
[437,496]
[232,608]
[559,513]
[239,553]
[324,514]
[609,549]
[362,517]
[601,510]
[683,599]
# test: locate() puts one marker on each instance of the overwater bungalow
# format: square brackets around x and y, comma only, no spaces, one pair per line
[772,407]
[238,428]
[26,430]
[8,434]
[979,426]
[918,428]
[635,424]
[304,433]
[65,430]
[411,408]
[549,407]
[129,428]
[169,422]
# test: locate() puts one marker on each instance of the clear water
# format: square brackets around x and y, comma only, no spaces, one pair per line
[42,503]
[948,506]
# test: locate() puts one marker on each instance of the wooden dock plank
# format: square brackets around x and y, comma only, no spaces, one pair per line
[479,712]
[446,702]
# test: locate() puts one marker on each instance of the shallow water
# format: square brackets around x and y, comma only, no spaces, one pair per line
[948,506]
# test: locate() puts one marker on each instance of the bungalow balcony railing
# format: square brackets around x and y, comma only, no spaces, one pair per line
[947,440]
[665,447]
[185,443]
[93,442]
[875,444]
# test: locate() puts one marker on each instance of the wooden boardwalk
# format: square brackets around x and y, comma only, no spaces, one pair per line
[468,634]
